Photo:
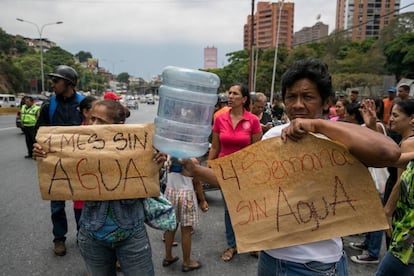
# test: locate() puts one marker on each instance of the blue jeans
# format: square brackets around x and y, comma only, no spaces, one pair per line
[390,265]
[134,255]
[231,239]
[373,240]
[271,266]
[59,221]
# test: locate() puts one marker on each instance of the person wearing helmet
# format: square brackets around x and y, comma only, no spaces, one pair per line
[65,73]
[61,110]
[221,105]
[222,99]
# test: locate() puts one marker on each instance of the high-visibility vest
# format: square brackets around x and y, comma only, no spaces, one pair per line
[29,115]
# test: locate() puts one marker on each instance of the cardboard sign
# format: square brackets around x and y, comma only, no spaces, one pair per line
[100,162]
[280,195]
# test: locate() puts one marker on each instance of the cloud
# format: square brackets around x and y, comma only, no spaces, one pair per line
[156,31]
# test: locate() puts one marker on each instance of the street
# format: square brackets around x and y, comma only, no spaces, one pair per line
[25,229]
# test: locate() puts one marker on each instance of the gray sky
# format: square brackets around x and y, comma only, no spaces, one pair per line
[142,36]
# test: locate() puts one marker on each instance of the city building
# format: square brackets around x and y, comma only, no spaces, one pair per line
[265,26]
[35,42]
[364,18]
[210,58]
[311,34]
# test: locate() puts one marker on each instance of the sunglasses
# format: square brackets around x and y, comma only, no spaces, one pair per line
[55,80]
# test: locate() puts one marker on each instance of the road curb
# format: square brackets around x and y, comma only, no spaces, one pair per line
[8,110]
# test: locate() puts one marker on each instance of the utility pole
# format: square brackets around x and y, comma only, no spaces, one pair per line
[251,54]
[276,48]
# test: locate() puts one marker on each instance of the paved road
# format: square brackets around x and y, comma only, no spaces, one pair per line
[25,228]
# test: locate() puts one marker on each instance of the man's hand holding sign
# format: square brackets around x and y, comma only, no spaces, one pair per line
[100,162]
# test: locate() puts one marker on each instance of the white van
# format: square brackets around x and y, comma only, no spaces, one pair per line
[7,100]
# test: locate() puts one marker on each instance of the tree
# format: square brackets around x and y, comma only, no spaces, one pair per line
[123,77]
[265,69]
[20,45]
[400,56]
[402,24]
[393,41]
[237,71]
[6,42]
[29,65]
[83,56]
[11,77]
[57,56]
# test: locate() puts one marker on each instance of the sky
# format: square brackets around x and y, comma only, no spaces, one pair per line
[141,37]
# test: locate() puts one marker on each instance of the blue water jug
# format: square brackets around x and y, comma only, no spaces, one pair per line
[185,110]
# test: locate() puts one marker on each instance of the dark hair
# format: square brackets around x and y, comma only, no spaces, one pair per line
[343,101]
[380,107]
[406,106]
[86,103]
[116,110]
[406,87]
[312,69]
[353,109]
[245,93]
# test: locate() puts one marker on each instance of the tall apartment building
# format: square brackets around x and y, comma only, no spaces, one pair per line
[364,18]
[311,34]
[265,26]
[210,57]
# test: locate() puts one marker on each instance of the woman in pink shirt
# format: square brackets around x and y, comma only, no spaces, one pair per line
[232,131]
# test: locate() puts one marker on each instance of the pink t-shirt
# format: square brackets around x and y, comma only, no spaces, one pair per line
[232,140]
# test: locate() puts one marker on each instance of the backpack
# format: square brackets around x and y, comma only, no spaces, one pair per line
[53,105]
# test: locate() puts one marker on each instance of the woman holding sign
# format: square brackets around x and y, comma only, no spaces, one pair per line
[232,131]
[113,230]
[399,260]
[306,92]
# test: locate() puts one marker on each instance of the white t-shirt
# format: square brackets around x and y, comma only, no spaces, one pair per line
[177,181]
[326,251]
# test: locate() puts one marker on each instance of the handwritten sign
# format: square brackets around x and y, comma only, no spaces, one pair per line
[281,195]
[101,162]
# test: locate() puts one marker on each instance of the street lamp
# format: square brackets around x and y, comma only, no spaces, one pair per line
[40,31]
[276,48]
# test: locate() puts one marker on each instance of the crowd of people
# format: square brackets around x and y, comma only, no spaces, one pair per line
[111,232]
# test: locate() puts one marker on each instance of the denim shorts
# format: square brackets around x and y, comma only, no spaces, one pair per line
[134,255]
[271,266]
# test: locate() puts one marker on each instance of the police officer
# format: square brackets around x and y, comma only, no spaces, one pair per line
[29,113]
[61,110]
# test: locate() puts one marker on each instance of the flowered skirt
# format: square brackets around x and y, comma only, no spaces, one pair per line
[185,206]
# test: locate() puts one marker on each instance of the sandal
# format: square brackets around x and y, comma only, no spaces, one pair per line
[166,262]
[185,268]
[229,254]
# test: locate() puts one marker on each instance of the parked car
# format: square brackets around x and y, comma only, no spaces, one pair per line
[150,100]
[7,100]
[38,99]
[132,104]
